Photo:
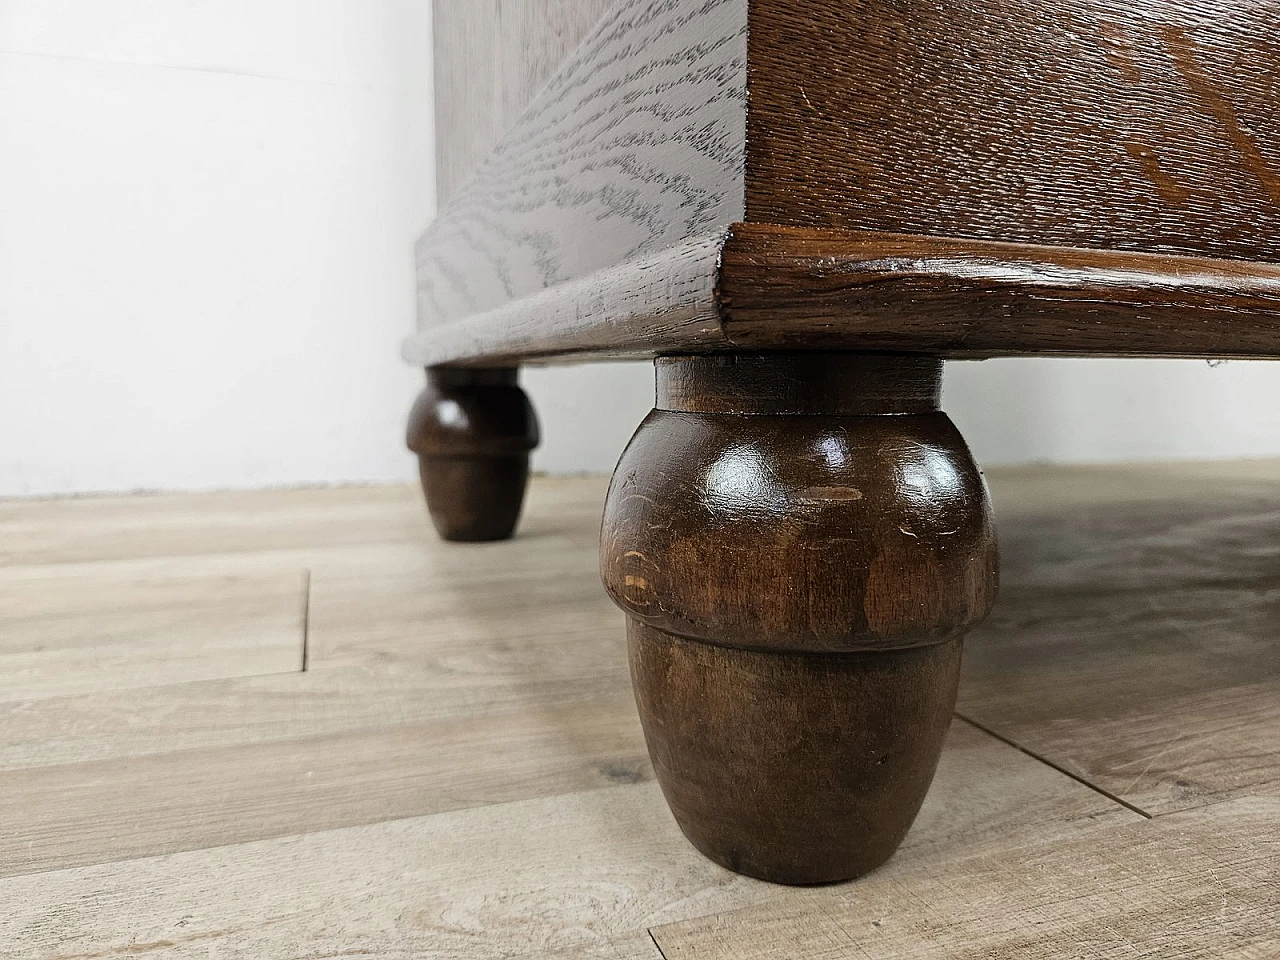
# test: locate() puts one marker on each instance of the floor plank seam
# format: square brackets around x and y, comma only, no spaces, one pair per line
[1058,767]
[656,945]
[306,621]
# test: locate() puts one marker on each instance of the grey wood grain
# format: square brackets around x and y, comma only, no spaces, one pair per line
[634,147]
[468,88]
[491,58]
[650,304]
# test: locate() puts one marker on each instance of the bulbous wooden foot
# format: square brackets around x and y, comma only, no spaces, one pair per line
[473,431]
[800,542]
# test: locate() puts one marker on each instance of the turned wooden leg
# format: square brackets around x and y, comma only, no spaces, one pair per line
[799,541]
[473,431]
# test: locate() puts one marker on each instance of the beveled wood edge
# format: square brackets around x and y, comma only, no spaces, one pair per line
[761,287]
[656,303]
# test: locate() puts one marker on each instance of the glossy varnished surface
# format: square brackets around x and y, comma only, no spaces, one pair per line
[799,383]
[799,543]
[786,287]
[803,530]
[472,432]
[757,286]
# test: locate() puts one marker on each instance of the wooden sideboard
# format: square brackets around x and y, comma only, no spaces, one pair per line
[798,209]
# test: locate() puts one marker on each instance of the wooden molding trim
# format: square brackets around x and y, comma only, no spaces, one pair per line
[788,288]
[764,287]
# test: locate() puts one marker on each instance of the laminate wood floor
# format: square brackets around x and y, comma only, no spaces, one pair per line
[294,724]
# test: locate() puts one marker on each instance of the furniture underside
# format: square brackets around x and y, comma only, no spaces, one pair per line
[799,210]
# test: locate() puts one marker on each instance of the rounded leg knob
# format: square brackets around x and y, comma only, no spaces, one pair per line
[473,431]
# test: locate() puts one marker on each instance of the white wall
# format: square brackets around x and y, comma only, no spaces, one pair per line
[206,214]
[1010,411]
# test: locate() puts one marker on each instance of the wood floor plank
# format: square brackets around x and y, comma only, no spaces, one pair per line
[86,529]
[426,684]
[1136,642]
[108,632]
[1201,884]
[582,873]
[95,812]
[460,772]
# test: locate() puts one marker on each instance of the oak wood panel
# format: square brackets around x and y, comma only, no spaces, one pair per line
[635,146]
[584,873]
[467,67]
[785,287]
[1116,128]
[1129,126]
[491,58]
[1196,885]
[104,631]
[537,36]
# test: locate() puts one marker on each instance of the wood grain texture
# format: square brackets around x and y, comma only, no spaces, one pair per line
[491,58]
[118,632]
[764,287]
[786,287]
[408,639]
[414,667]
[580,875]
[1180,587]
[1089,126]
[160,803]
[1086,123]
[646,305]
[825,513]
[799,543]
[160,531]
[635,146]
[1210,882]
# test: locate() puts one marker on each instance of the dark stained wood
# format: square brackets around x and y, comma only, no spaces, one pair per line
[799,383]
[783,287]
[792,767]
[1149,125]
[782,528]
[472,431]
[730,528]
[801,540]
